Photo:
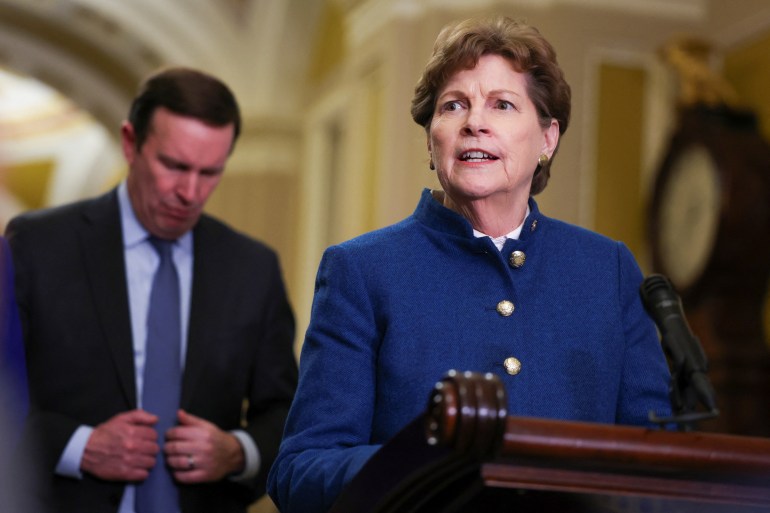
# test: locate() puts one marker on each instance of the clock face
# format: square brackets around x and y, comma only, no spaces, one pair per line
[689,216]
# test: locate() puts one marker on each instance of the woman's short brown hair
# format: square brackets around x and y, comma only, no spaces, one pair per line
[460,45]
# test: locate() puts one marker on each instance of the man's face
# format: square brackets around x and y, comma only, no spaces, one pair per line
[175,171]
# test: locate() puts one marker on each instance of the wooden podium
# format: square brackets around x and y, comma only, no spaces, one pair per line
[465,455]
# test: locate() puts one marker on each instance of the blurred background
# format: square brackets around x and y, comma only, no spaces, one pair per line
[329,149]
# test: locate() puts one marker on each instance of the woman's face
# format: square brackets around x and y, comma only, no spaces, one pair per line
[485,137]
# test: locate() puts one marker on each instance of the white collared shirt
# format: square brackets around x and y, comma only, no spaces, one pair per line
[500,241]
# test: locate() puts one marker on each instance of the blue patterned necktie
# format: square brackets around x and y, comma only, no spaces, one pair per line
[162,377]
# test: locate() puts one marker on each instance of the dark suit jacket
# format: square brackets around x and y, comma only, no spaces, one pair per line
[72,294]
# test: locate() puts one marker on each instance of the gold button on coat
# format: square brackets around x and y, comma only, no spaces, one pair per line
[505,308]
[512,365]
[517,259]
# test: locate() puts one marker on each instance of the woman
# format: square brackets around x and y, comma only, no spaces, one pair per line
[476,279]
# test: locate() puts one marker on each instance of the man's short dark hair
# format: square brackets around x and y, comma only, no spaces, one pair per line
[185,92]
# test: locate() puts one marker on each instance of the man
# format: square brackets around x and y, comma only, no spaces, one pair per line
[89,293]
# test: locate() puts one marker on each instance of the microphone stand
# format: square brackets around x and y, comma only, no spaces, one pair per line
[683,394]
[689,384]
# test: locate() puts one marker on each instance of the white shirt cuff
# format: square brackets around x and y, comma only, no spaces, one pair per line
[69,463]
[251,455]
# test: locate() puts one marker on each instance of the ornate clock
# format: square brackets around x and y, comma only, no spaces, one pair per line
[709,200]
[709,231]
[688,215]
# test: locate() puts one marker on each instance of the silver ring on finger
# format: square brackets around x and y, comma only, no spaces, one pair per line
[190,462]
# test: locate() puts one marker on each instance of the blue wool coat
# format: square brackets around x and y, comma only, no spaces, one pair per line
[397,308]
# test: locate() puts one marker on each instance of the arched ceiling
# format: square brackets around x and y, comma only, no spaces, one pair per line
[96,51]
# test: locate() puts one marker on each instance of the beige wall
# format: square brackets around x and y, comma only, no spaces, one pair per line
[619,207]
[747,68]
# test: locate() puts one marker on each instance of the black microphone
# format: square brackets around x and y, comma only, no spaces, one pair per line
[684,349]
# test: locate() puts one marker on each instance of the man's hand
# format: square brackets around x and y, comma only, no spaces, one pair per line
[123,448]
[198,451]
